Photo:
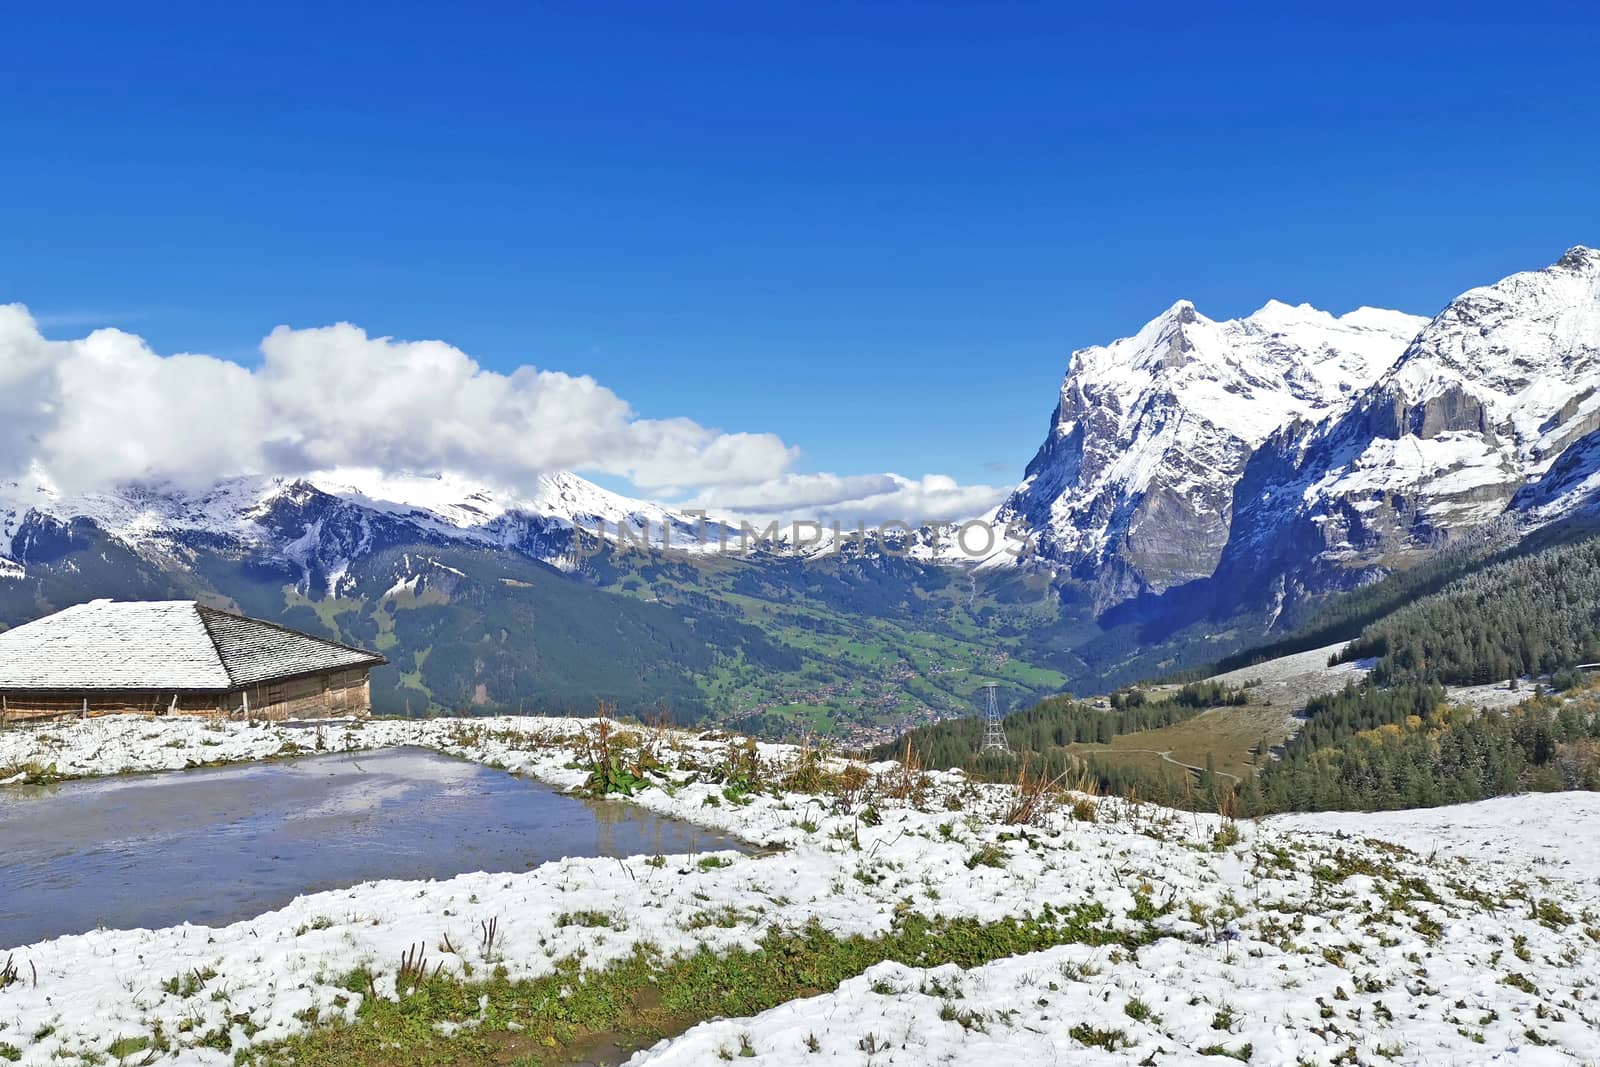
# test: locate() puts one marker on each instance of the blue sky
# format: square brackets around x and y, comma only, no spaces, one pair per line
[875,230]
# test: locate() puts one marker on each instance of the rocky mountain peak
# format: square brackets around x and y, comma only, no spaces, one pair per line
[1344,438]
[1151,431]
[1509,359]
[1580,258]
[1489,414]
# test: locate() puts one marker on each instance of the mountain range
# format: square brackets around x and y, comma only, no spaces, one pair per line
[1290,453]
[1203,484]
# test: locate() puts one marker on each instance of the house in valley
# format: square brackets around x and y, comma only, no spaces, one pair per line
[176,658]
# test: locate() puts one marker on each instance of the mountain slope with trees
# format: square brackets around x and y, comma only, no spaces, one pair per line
[1534,615]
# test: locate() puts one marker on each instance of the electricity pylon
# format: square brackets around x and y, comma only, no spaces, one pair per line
[994,728]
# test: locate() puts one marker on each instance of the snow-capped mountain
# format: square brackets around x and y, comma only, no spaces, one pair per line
[1133,487]
[1486,418]
[1572,483]
[321,522]
[1291,451]
[1286,453]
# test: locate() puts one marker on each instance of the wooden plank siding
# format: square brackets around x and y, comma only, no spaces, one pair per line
[23,707]
[335,694]
[330,694]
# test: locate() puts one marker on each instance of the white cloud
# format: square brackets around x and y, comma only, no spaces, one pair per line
[423,405]
[124,413]
[869,498]
[106,409]
[26,392]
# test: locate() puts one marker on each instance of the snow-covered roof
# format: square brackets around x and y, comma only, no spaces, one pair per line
[162,645]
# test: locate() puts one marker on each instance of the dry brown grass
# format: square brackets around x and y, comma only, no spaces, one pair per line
[1231,735]
[1035,796]
[908,783]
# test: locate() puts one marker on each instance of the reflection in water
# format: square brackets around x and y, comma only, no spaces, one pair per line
[215,846]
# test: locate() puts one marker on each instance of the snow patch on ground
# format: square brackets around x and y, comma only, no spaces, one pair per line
[1299,939]
[1495,696]
[1289,682]
[1540,835]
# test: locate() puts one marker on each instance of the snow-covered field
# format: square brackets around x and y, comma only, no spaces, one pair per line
[1497,696]
[1542,836]
[1288,683]
[1449,936]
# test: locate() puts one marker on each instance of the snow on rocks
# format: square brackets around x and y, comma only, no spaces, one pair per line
[1284,942]
[242,510]
[1151,432]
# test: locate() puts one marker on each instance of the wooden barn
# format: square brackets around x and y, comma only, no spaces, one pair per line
[176,658]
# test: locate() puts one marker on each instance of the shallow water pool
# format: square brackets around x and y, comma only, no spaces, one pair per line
[219,845]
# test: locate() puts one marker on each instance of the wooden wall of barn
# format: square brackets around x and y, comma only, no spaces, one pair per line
[22,707]
[337,694]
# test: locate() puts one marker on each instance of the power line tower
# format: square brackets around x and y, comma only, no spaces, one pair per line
[994,729]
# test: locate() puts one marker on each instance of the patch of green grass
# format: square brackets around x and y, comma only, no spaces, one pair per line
[1137,1010]
[187,985]
[649,995]
[1226,837]
[990,855]
[1110,1040]
[1551,914]
[1517,980]
[123,1047]
[1344,865]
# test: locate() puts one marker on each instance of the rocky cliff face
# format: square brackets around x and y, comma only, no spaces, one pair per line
[1487,416]
[1291,452]
[1570,486]
[1133,488]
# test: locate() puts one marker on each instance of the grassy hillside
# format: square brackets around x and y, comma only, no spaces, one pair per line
[884,643]
[1119,744]
[776,646]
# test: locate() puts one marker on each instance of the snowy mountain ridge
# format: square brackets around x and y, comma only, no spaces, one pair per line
[136,512]
[1152,431]
[1286,453]
[1494,395]
[321,521]
[1302,439]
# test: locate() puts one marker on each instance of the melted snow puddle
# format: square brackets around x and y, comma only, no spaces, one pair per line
[216,846]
